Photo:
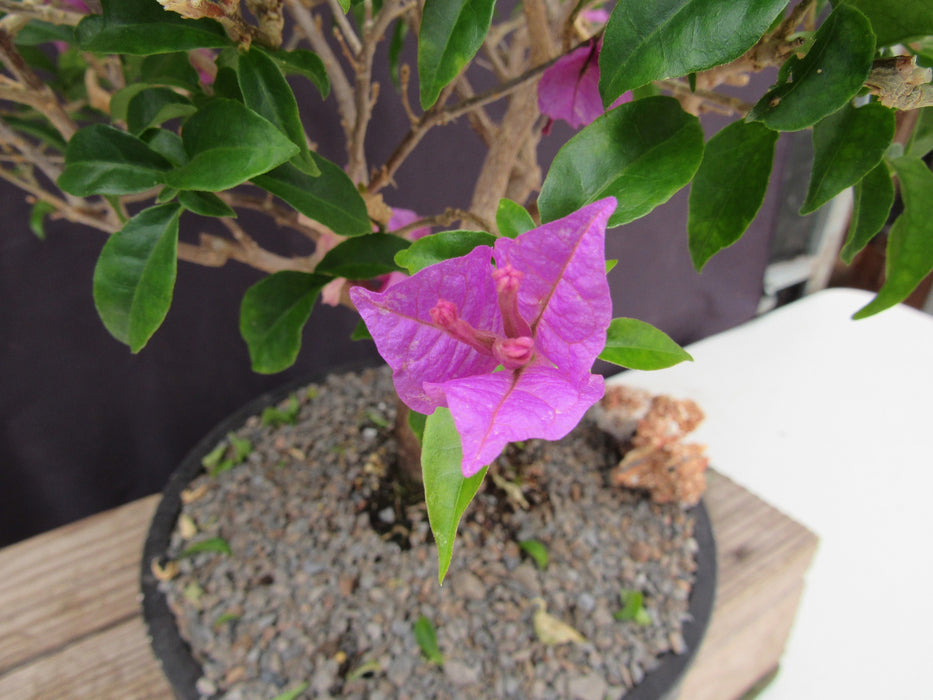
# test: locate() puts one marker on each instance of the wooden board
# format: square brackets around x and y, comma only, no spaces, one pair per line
[70,625]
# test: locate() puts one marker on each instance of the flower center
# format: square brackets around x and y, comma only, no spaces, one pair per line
[514,350]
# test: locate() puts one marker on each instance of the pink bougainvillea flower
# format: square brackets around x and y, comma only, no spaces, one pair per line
[507,348]
[569,89]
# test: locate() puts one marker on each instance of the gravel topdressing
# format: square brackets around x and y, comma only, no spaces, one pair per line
[329,569]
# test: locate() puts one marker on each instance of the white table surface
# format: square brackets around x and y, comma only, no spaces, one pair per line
[828,420]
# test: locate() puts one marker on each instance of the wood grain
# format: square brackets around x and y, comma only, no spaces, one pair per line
[71,582]
[70,624]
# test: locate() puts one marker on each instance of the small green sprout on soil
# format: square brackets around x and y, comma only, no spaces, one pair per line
[536,551]
[217,461]
[273,416]
[212,544]
[632,608]
[426,636]
[224,618]
[293,693]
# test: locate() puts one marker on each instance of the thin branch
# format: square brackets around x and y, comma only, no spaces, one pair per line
[37,10]
[723,104]
[353,41]
[214,251]
[340,84]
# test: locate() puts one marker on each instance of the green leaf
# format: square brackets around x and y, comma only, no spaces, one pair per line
[426,637]
[363,257]
[212,459]
[169,69]
[846,145]
[729,188]
[227,144]
[37,218]
[632,608]
[266,92]
[331,198]
[441,246]
[39,32]
[831,73]
[154,106]
[638,345]
[212,544]
[361,332]
[647,41]
[874,196]
[451,33]
[135,275]
[512,219]
[204,203]
[305,63]
[272,315]
[101,159]
[120,100]
[895,21]
[909,254]
[275,416]
[143,27]
[417,421]
[921,138]
[293,693]
[536,551]
[640,152]
[396,44]
[446,492]
[167,144]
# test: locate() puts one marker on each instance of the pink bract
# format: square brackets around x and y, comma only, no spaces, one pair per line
[569,89]
[456,334]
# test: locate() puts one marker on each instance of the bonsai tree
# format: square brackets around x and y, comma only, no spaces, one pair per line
[138,117]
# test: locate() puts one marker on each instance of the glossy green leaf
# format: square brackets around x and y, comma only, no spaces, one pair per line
[536,551]
[101,159]
[169,69]
[40,210]
[361,332]
[363,257]
[638,345]
[640,152]
[167,144]
[446,492]
[155,106]
[828,76]
[266,92]
[874,197]
[120,100]
[273,314]
[331,198]
[512,219]
[909,253]
[647,41]
[921,138]
[426,637]
[228,144]
[441,246]
[135,275]
[729,188]
[846,145]
[895,21]
[142,27]
[305,63]
[451,33]
[204,203]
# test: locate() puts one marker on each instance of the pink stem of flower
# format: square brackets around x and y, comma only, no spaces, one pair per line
[445,315]
[507,280]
